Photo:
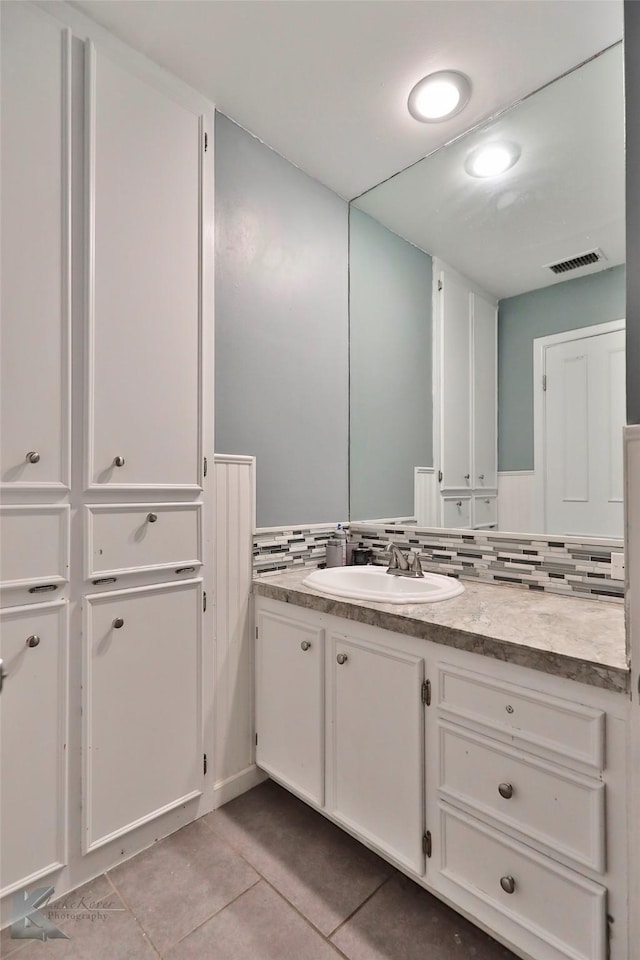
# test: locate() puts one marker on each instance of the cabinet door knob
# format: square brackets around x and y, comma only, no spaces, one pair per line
[467,476]
[3,674]
[487,502]
[342,658]
[152,517]
[32,456]
[458,503]
[118,461]
[505,790]
[508,884]
[305,645]
[117,623]
[481,476]
[33,640]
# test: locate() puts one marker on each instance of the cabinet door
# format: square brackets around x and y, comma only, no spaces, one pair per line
[485,393]
[143,375]
[378,746]
[290,703]
[142,706]
[35,161]
[33,709]
[455,403]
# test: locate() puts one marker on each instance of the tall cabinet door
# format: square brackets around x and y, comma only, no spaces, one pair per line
[377,746]
[455,403]
[35,159]
[144,286]
[485,392]
[33,739]
[142,706]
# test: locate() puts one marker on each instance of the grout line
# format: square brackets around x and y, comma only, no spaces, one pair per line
[145,935]
[218,912]
[358,908]
[306,919]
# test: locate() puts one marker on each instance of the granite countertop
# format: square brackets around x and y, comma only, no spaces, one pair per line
[582,640]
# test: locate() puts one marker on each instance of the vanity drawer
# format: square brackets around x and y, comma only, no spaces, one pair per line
[456,512]
[559,730]
[562,811]
[485,511]
[141,537]
[34,547]
[558,905]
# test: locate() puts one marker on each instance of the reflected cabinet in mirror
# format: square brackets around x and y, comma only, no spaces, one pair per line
[487,311]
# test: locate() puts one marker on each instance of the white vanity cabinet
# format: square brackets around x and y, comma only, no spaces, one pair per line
[499,788]
[465,407]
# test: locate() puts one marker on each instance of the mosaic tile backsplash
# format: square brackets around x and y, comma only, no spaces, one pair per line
[275,551]
[570,566]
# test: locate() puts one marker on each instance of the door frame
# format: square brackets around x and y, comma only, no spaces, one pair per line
[540,345]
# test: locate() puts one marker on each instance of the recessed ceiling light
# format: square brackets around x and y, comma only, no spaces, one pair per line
[439,96]
[492,159]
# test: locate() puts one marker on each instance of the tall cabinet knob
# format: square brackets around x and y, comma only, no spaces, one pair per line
[32,456]
[118,461]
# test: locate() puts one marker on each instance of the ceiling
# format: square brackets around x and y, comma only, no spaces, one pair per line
[325,82]
[564,197]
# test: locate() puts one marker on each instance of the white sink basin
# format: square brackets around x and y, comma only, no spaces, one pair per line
[374,583]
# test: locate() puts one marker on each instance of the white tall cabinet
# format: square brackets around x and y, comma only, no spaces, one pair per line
[465,401]
[107,412]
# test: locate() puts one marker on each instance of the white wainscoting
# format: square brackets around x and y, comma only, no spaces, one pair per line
[235,769]
[516,500]
[425,497]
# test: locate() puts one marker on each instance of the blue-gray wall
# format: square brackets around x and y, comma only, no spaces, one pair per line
[632,139]
[281,363]
[391,406]
[577,303]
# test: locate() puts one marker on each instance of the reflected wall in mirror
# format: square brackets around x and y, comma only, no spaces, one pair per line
[487,324]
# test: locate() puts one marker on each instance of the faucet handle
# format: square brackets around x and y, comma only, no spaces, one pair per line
[416,566]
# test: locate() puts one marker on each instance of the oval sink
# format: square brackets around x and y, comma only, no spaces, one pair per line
[374,583]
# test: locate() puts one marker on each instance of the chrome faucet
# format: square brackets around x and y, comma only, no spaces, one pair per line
[401,565]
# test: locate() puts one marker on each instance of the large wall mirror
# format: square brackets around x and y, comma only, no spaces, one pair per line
[487,318]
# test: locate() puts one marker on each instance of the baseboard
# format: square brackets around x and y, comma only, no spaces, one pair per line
[239,783]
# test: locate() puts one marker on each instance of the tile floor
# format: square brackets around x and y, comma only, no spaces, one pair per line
[263,878]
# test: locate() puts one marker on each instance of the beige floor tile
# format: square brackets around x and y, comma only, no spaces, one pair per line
[98,925]
[259,925]
[180,882]
[322,871]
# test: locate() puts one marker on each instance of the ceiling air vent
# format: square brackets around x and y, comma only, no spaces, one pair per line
[574,263]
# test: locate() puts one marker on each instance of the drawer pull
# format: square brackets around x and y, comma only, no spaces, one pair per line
[33,640]
[508,884]
[185,569]
[505,790]
[118,623]
[342,658]
[45,588]
[32,457]
[305,645]
[102,580]
[152,517]
[509,708]
[118,461]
